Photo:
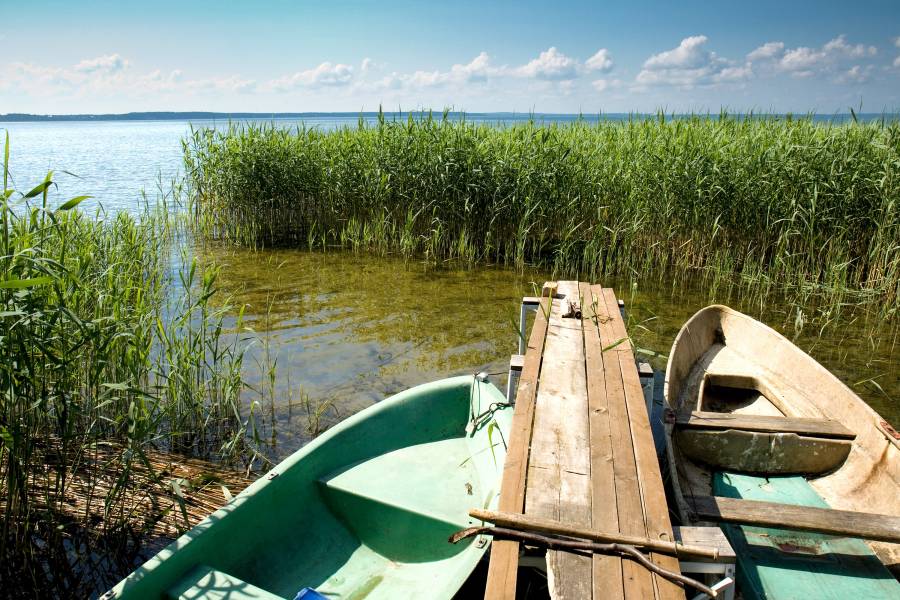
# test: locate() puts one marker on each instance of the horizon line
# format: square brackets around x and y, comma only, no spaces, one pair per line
[169,115]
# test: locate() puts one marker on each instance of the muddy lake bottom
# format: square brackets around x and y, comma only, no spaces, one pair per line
[344,330]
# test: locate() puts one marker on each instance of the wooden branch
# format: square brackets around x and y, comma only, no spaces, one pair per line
[571,545]
[536,524]
[884,528]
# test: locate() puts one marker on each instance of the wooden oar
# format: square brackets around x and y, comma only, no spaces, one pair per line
[523,523]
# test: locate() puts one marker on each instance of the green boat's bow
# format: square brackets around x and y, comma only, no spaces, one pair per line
[365,510]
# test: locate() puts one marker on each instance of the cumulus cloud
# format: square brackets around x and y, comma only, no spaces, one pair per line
[550,65]
[840,46]
[804,61]
[601,61]
[690,54]
[690,64]
[232,83]
[327,74]
[112,63]
[767,51]
[855,74]
[478,70]
[368,65]
[602,85]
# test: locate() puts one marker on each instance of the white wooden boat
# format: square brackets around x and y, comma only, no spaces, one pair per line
[754,419]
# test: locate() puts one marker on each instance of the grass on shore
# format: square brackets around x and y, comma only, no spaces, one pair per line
[109,351]
[774,201]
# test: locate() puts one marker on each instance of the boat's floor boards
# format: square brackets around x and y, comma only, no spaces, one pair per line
[581,450]
[784,564]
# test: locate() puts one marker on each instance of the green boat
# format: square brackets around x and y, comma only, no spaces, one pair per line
[363,511]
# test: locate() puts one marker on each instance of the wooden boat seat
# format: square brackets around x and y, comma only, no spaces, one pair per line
[824,428]
[208,583]
[762,443]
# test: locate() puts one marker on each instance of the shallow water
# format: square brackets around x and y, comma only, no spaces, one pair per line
[349,329]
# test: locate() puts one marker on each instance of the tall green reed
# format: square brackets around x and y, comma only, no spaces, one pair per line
[108,349]
[792,202]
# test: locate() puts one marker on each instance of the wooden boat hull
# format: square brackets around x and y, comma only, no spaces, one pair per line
[364,510]
[799,436]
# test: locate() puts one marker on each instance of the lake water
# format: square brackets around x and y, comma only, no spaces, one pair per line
[346,330]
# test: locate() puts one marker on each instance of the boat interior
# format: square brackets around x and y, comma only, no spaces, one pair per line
[752,417]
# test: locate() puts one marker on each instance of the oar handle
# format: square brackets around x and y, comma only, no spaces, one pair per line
[529,523]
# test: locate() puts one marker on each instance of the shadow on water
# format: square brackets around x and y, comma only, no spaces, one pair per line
[345,330]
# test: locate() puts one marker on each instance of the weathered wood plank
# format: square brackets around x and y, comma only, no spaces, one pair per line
[504,561]
[637,582]
[885,528]
[653,496]
[828,428]
[706,537]
[559,473]
[607,570]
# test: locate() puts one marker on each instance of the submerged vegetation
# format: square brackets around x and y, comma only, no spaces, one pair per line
[774,201]
[108,351]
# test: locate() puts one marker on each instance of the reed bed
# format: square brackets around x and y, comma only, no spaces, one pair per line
[110,352]
[772,201]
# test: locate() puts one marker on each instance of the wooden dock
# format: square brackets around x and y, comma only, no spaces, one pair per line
[581,449]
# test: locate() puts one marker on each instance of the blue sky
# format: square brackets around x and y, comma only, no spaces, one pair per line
[280,55]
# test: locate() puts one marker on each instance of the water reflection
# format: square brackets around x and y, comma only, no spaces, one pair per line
[353,329]
[346,330]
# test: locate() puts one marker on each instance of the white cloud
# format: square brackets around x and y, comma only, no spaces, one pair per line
[839,45]
[551,65]
[736,73]
[479,69]
[601,61]
[368,65]
[856,74]
[767,51]
[233,83]
[801,60]
[690,64]
[689,54]
[806,62]
[897,62]
[112,63]
[602,85]
[157,81]
[326,74]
